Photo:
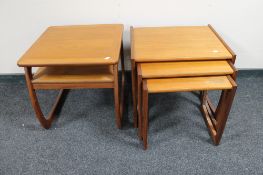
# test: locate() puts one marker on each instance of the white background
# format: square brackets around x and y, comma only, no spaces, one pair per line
[239,22]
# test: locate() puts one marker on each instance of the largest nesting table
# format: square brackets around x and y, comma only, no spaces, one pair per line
[75,57]
[182,58]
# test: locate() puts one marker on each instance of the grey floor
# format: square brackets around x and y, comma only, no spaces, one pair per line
[84,139]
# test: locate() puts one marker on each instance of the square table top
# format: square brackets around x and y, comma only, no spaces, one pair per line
[180,43]
[75,45]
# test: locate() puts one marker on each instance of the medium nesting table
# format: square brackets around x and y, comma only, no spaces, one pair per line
[182,59]
[75,57]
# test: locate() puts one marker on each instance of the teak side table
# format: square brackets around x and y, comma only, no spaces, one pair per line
[75,57]
[215,118]
[174,53]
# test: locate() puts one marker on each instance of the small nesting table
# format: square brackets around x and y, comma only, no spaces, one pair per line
[181,59]
[75,57]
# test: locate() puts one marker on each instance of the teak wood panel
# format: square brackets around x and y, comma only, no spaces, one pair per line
[177,43]
[182,69]
[75,45]
[188,84]
[74,74]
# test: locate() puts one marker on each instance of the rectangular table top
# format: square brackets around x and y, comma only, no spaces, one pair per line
[188,84]
[75,45]
[151,44]
[185,69]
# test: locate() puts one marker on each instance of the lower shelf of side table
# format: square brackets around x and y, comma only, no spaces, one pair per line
[74,77]
[73,74]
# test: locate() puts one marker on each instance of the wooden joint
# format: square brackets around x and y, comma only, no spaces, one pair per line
[232,81]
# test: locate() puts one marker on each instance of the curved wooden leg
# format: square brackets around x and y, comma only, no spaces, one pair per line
[216,119]
[223,112]
[45,122]
[145,115]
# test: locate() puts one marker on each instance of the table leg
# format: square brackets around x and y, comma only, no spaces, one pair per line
[117,96]
[122,81]
[134,92]
[139,97]
[216,119]
[45,122]
[145,114]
